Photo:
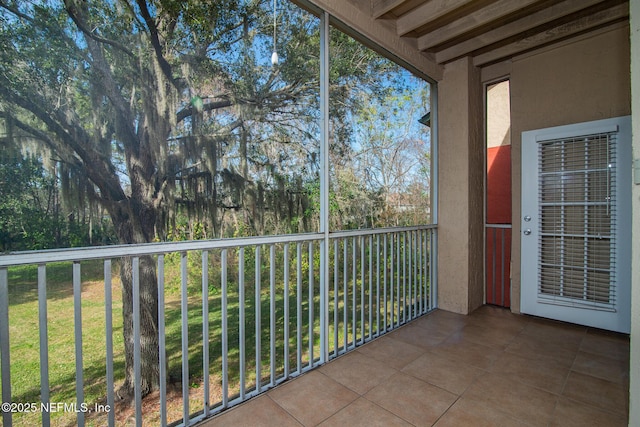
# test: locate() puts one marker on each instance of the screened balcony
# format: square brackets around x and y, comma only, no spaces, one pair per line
[336,327]
[236,317]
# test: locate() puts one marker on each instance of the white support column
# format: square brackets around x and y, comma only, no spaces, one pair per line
[324,187]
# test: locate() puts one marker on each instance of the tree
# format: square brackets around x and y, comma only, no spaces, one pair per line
[161,110]
[387,171]
[138,99]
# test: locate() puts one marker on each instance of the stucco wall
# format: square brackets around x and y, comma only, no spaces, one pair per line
[578,82]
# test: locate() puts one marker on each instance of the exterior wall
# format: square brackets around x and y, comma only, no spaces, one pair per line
[634,386]
[460,188]
[582,81]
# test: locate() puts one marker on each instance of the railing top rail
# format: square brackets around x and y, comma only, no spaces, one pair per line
[385,230]
[497,225]
[118,251]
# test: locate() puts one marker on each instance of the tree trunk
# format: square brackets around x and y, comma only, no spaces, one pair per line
[148,338]
[136,226]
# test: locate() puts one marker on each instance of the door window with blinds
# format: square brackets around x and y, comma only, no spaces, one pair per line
[576,222]
[577,219]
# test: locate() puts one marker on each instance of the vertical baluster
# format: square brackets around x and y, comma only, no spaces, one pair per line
[258,329]
[398,278]
[335,297]
[420,262]
[392,282]
[225,328]
[377,284]
[362,282]
[241,324]
[311,307]
[433,268]
[404,277]
[494,257]
[4,344]
[272,312]
[299,305]
[205,330]
[354,279]
[370,246]
[44,342]
[77,316]
[345,292]
[184,308]
[414,278]
[384,282]
[108,320]
[161,344]
[502,263]
[286,311]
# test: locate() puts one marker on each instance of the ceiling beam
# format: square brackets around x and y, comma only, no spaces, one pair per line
[511,29]
[477,19]
[558,33]
[380,7]
[428,12]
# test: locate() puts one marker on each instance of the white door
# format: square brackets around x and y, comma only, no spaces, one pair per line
[576,223]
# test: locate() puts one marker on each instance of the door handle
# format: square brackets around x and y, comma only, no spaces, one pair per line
[527,231]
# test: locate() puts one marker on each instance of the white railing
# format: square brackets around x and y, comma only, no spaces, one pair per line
[270,316]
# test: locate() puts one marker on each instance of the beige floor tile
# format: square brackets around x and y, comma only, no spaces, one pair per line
[549,375]
[599,393]
[312,398]
[554,332]
[366,414]
[459,348]
[448,316]
[392,352]
[466,412]
[569,413]
[492,337]
[357,371]
[261,411]
[498,318]
[446,373]
[411,399]
[420,336]
[615,346]
[521,401]
[603,367]
[442,321]
[540,349]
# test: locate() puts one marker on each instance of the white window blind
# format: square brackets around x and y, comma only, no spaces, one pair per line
[577,220]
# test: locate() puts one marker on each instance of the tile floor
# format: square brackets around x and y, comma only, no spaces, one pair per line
[491,368]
